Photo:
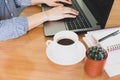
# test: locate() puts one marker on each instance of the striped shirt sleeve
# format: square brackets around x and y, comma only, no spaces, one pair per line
[13,28]
[23,2]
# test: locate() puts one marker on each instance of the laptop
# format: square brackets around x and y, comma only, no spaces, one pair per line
[93,15]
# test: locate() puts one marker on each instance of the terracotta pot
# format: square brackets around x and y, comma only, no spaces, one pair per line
[94,67]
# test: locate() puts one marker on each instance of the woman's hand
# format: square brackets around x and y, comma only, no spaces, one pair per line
[53,14]
[60,12]
[56,2]
[52,3]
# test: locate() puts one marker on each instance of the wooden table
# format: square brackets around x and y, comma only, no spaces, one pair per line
[25,58]
[114,17]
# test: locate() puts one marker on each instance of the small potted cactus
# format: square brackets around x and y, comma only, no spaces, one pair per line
[95,60]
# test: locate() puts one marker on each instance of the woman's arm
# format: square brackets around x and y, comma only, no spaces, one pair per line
[18,26]
[54,14]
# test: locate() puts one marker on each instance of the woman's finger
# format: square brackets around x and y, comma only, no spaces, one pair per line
[70,10]
[69,16]
[65,1]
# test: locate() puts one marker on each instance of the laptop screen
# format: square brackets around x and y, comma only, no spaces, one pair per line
[100,9]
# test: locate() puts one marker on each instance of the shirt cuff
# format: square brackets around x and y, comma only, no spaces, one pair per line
[13,28]
[23,2]
[21,26]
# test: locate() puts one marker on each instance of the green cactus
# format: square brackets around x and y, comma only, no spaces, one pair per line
[96,53]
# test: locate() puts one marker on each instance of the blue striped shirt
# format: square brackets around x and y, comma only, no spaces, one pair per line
[12,26]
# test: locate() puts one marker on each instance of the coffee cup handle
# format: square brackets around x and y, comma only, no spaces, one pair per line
[48,42]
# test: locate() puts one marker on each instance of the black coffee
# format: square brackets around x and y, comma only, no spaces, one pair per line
[65,41]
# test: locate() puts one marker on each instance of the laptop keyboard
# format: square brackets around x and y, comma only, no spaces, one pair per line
[80,22]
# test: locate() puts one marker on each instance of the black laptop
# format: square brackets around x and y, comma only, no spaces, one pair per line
[93,14]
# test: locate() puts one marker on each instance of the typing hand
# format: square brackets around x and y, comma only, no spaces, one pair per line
[61,12]
[57,2]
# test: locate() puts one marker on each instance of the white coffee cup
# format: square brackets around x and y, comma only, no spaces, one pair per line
[65,53]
